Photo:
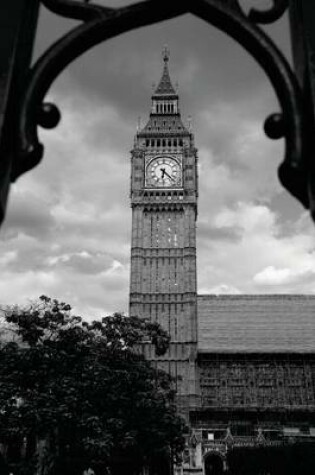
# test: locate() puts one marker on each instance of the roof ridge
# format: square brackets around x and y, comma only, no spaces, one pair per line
[256,296]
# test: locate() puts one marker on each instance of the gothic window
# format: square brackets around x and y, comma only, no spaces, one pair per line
[169,237]
[152,143]
[175,240]
[181,143]
[157,232]
[164,143]
[175,142]
[158,143]
[147,143]
[169,143]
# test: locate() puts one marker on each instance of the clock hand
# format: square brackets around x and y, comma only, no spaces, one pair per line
[163,172]
[171,178]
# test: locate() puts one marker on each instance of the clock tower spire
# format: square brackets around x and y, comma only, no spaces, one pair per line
[163,249]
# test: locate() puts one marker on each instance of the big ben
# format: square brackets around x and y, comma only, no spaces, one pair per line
[164,193]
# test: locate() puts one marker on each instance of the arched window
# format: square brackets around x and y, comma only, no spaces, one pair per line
[175,142]
[158,144]
[164,143]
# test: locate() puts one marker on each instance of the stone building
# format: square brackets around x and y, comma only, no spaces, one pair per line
[243,365]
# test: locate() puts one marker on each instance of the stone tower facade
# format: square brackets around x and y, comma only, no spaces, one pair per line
[164,192]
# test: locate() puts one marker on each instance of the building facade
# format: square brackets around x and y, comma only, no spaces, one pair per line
[164,195]
[244,366]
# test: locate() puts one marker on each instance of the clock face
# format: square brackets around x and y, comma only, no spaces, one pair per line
[163,172]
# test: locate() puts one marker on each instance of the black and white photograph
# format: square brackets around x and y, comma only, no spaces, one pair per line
[157,237]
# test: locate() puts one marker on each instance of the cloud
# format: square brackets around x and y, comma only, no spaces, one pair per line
[220,290]
[82,262]
[263,258]
[25,286]
[248,218]
[68,227]
[29,214]
[272,276]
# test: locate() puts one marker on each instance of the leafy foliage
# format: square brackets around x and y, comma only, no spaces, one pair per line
[85,390]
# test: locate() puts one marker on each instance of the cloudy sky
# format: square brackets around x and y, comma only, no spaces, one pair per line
[67,231]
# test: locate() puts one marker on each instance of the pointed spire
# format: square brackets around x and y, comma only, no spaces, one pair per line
[165,86]
[166,54]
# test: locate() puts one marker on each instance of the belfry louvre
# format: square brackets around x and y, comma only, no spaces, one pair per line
[244,365]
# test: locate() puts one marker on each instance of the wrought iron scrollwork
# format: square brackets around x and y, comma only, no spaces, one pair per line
[77,10]
[101,23]
[271,15]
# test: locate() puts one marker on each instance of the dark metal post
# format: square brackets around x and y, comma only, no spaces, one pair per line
[18,19]
[302,19]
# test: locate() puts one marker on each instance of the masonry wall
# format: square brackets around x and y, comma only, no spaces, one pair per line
[264,381]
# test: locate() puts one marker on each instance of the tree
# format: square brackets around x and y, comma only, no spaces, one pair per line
[83,393]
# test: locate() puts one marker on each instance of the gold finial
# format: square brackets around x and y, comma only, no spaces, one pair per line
[166,54]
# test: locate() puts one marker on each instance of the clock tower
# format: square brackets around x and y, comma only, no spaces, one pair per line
[164,193]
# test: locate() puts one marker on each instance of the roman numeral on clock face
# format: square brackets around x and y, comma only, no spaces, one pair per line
[164,172]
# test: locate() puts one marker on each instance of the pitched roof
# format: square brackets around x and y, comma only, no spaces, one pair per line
[165,86]
[256,323]
[165,126]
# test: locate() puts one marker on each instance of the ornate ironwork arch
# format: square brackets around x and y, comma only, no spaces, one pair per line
[102,23]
